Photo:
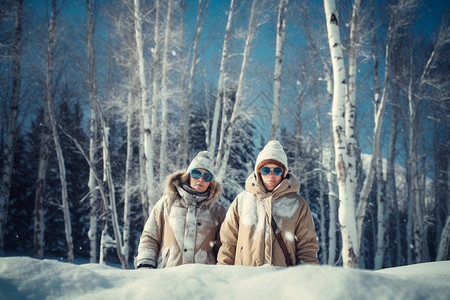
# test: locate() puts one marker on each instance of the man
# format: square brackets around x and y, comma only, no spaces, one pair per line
[269,223]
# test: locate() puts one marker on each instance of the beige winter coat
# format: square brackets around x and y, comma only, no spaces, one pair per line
[247,236]
[182,228]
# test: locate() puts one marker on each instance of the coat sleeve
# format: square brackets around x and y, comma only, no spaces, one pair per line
[220,213]
[150,241]
[307,244]
[229,235]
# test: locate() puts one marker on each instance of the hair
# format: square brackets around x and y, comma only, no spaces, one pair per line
[270,161]
[185,177]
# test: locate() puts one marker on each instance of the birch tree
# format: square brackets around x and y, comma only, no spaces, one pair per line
[343,141]
[224,153]
[326,156]
[8,150]
[164,123]
[51,115]
[415,95]
[443,250]
[280,38]
[221,91]
[146,146]
[187,102]
[93,133]
[109,198]
[38,234]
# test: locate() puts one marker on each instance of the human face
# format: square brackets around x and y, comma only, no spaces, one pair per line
[271,181]
[199,185]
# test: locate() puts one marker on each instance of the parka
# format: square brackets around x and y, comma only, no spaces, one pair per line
[182,227]
[247,236]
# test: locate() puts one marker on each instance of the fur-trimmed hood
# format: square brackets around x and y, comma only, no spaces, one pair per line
[174,181]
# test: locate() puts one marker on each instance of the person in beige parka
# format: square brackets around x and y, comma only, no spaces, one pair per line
[248,234]
[183,227]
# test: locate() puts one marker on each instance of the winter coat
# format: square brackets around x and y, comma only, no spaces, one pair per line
[182,227]
[247,236]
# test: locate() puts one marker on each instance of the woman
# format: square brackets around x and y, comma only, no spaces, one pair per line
[269,205]
[183,227]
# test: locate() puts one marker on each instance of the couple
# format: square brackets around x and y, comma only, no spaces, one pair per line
[268,223]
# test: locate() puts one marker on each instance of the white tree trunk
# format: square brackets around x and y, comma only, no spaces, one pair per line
[93,196]
[391,185]
[146,131]
[333,201]
[444,245]
[111,205]
[185,127]
[128,181]
[164,123]
[381,217]
[8,150]
[221,90]
[344,141]
[51,114]
[281,35]
[253,24]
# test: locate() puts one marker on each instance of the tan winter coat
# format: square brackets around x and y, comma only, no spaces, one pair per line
[182,228]
[247,236]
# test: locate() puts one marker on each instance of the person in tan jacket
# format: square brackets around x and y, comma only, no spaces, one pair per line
[270,204]
[183,227]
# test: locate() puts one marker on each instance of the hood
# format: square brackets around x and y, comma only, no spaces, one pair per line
[174,180]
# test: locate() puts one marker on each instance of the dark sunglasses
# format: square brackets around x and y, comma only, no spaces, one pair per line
[207,176]
[276,171]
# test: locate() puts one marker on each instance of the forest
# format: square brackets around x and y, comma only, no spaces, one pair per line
[101,100]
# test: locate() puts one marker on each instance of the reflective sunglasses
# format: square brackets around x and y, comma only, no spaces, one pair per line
[276,171]
[207,176]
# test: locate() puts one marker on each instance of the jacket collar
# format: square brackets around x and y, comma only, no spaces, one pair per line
[174,190]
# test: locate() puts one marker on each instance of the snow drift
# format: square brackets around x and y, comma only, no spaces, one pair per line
[28,278]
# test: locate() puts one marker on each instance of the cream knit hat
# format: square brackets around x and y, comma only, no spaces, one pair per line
[272,153]
[202,161]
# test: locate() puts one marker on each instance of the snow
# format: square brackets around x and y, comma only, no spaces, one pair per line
[29,278]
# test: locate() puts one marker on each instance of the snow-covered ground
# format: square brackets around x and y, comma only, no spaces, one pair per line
[28,278]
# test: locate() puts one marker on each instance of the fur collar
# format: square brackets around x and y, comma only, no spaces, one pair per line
[174,180]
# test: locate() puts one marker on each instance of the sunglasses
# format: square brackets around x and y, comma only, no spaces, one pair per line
[276,171]
[207,176]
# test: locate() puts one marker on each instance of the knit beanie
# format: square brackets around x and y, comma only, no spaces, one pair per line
[202,161]
[272,153]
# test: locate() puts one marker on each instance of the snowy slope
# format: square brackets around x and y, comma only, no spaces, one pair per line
[28,278]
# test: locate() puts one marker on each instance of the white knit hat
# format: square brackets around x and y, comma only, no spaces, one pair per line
[272,153]
[202,161]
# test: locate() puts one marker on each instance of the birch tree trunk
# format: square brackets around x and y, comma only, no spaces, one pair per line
[49,103]
[344,142]
[443,250]
[110,205]
[8,150]
[93,135]
[417,208]
[321,199]
[185,127]
[326,158]
[128,180]
[281,36]
[146,131]
[38,235]
[253,24]
[221,94]
[391,180]
[164,123]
